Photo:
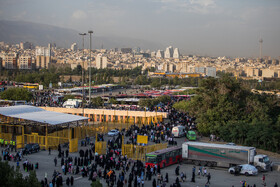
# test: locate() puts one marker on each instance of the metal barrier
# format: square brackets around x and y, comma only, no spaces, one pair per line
[73,145]
[19,142]
[137,152]
[100,148]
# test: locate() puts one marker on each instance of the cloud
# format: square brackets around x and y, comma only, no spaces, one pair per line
[20,15]
[203,3]
[79,14]
[190,6]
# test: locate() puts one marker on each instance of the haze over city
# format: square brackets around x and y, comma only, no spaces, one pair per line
[203,27]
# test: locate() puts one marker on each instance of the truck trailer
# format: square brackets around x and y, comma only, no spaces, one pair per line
[222,155]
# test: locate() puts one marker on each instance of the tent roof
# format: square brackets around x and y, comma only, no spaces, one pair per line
[40,115]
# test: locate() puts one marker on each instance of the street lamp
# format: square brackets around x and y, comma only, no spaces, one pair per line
[90,32]
[83,35]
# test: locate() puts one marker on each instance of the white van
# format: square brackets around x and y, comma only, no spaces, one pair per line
[178,131]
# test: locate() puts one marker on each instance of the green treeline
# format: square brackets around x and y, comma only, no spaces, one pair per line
[16,94]
[227,109]
[152,102]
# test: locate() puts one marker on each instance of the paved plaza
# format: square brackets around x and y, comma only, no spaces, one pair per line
[219,176]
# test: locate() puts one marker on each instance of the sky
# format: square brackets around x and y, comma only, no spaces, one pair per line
[202,27]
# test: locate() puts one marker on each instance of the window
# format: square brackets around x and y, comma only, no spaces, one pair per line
[163,156]
[151,159]
[159,158]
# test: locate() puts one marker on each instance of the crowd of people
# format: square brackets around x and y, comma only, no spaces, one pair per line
[46,98]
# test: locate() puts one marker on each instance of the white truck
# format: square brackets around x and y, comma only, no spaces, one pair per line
[221,155]
[72,103]
[178,131]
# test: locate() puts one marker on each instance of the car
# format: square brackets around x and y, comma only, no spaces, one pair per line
[245,169]
[31,148]
[114,132]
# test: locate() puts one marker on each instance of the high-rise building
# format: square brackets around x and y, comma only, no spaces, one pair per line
[10,61]
[159,54]
[211,71]
[74,47]
[200,70]
[168,52]
[42,51]
[43,57]
[42,62]
[101,61]
[176,53]
[252,72]
[25,62]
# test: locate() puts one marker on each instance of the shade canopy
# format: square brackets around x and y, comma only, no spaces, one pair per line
[39,115]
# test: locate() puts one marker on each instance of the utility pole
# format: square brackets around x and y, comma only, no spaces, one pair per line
[83,35]
[90,32]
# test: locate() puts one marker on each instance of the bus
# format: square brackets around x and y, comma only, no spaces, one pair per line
[31,85]
[164,157]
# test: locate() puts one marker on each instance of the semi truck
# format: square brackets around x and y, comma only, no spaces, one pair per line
[222,155]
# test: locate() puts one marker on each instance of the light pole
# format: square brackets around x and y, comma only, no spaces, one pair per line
[90,32]
[83,35]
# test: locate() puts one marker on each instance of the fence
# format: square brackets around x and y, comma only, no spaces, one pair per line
[101,147]
[137,152]
[73,145]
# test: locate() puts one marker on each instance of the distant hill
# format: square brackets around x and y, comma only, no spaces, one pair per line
[41,34]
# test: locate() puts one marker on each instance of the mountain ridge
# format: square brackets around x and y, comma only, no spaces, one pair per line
[41,34]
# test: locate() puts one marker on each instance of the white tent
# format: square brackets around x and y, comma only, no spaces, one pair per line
[39,115]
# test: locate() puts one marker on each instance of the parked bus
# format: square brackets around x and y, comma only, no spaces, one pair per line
[164,157]
[31,85]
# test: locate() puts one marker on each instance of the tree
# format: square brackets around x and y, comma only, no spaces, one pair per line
[10,177]
[164,99]
[226,108]
[113,101]
[97,102]
[16,94]
[96,183]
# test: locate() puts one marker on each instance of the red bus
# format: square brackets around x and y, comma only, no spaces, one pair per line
[164,157]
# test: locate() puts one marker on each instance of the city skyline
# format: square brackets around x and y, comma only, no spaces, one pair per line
[202,27]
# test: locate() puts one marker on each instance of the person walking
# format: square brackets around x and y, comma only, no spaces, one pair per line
[208,178]
[72,180]
[263,179]
[55,161]
[204,172]
[67,181]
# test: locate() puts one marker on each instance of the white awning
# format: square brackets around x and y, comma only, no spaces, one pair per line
[40,115]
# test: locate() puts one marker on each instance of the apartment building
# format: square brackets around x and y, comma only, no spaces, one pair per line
[25,62]
[10,61]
